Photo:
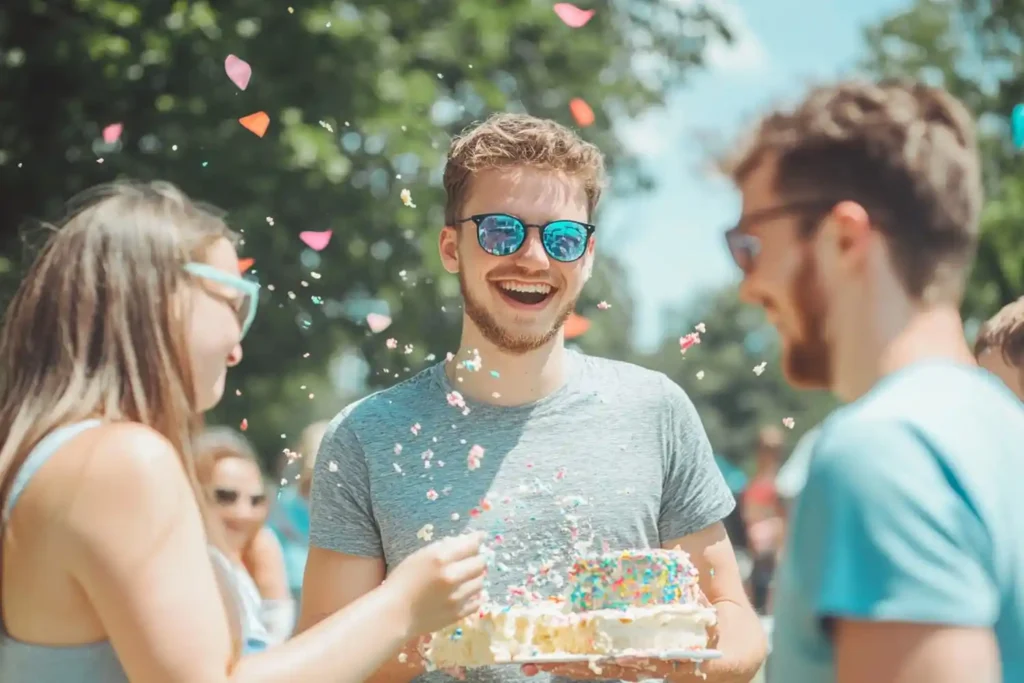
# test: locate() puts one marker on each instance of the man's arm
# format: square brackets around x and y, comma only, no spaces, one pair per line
[346,554]
[895,559]
[914,653]
[738,634]
[334,580]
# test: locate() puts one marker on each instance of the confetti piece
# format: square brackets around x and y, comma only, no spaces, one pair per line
[700,328]
[571,15]
[1017,125]
[391,343]
[332,466]
[407,199]
[604,305]
[581,112]
[257,123]
[377,322]
[575,326]
[317,241]
[476,454]
[244,425]
[758,369]
[238,70]
[431,494]
[245,264]
[426,532]
[788,422]
[112,133]
[700,374]
[692,339]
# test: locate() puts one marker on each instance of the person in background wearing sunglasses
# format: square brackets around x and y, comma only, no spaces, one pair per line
[513,426]
[905,556]
[229,472]
[118,339]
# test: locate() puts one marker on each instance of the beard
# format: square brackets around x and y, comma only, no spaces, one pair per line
[503,338]
[807,360]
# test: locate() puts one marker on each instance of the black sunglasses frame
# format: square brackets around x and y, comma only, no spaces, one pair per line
[479,218]
[744,247]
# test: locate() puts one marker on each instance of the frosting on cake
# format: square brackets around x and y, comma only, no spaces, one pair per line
[645,601]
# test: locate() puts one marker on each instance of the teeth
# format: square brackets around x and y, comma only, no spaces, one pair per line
[525,287]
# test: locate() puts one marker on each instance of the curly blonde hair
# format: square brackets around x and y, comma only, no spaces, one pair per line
[518,140]
[1004,332]
[904,151]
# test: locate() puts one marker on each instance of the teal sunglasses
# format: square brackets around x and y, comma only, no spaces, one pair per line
[250,290]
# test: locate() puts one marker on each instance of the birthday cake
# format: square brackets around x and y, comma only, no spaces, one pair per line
[646,601]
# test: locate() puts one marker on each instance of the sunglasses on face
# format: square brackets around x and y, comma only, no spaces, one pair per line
[500,234]
[230,497]
[744,247]
[249,290]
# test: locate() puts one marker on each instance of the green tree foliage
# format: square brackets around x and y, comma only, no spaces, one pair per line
[733,400]
[362,98]
[973,48]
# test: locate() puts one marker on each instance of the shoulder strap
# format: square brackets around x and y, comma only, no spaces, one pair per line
[49,445]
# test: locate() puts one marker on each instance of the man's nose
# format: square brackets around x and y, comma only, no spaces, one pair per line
[532,255]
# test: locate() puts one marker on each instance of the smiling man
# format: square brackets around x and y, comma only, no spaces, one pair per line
[553,452]
[905,561]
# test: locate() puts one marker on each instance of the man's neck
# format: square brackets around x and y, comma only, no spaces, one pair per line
[893,340]
[503,378]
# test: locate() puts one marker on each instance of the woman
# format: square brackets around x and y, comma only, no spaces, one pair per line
[230,475]
[117,340]
[289,515]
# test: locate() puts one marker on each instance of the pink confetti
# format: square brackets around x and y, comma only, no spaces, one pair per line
[604,305]
[391,343]
[788,422]
[476,454]
[112,133]
[238,70]
[431,494]
[456,400]
[415,429]
[573,16]
[689,340]
[377,322]
[316,241]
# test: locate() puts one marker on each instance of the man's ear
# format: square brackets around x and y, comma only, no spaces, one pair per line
[448,248]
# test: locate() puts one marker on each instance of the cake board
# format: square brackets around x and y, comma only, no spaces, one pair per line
[666,656]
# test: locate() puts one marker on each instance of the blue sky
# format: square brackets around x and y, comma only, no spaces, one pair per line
[671,238]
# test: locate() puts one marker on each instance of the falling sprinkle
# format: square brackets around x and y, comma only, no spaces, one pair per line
[426,533]
[700,374]
[455,516]
[788,422]
[391,343]
[431,494]
[700,328]
[581,112]
[245,264]
[571,15]
[398,449]
[316,241]
[377,322]
[407,199]
[415,429]
[689,340]
[403,658]
[244,425]
[759,368]
[332,466]
[604,305]
[238,70]
[256,124]
[476,454]
[112,133]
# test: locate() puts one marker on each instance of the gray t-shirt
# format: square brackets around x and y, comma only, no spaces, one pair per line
[617,458]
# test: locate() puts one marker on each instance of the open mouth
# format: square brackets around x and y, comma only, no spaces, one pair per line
[526,294]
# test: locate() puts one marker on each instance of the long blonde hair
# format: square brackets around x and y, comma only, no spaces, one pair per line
[95,330]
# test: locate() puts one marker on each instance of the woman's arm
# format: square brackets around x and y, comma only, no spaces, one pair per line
[138,548]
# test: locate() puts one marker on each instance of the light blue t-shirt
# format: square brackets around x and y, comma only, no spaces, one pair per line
[912,512]
[289,519]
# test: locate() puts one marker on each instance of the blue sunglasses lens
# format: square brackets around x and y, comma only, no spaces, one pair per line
[565,240]
[501,235]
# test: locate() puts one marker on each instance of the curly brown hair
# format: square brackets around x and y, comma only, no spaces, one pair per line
[1004,332]
[518,140]
[905,151]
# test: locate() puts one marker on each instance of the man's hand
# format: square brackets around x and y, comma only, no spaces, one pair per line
[621,668]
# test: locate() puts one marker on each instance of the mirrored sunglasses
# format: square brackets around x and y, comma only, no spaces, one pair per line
[500,234]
